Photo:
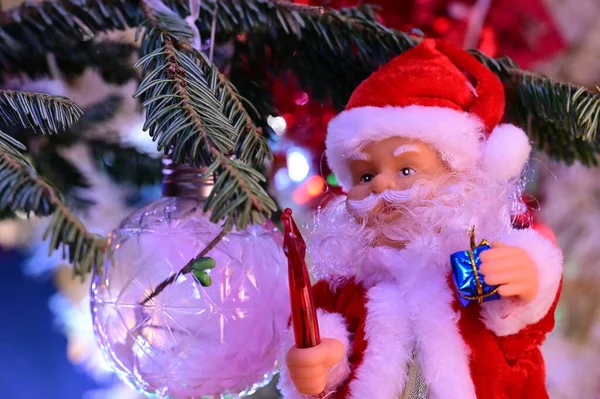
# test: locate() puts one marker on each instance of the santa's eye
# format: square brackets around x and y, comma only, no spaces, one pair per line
[367,177]
[407,172]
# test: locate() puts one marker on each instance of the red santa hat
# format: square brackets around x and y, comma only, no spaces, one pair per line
[439,94]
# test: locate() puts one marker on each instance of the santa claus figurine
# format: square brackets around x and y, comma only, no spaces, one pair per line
[423,156]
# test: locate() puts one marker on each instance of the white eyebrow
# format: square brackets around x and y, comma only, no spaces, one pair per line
[359,156]
[405,148]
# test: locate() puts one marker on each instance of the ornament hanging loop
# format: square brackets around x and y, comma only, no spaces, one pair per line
[191,21]
[472,239]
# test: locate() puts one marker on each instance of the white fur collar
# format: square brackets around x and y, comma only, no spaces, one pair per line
[384,264]
[402,314]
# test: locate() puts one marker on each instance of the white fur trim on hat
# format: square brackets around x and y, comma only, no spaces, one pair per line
[505,152]
[455,134]
[509,315]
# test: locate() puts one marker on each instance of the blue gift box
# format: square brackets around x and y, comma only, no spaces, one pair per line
[469,282]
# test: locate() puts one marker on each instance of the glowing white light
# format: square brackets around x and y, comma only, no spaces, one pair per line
[282,180]
[297,164]
[277,123]
[135,136]
[22,215]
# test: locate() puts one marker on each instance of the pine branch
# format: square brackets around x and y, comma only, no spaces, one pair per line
[89,119]
[249,77]
[316,45]
[562,119]
[195,111]
[196,115]
[64,175]
[54,25]
[587,107]
[21,188]
[41,112]
[113,60]
[50,25]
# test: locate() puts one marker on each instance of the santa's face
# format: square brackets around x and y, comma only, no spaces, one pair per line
[404,193]
[384,176]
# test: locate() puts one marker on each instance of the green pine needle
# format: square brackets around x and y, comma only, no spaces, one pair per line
[41,112]
[22,189]
[587,107]
[330,51]
[193,112]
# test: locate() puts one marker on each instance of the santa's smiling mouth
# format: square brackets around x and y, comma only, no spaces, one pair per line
[385,211]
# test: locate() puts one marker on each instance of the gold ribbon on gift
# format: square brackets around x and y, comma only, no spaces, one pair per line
[480,295]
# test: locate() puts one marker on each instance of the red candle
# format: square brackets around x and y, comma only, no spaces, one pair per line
[304,314]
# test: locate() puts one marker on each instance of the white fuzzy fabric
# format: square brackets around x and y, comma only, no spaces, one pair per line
[331,325]
[506,151]
[285,384]
[443,354]
[405,315]
[509,315]
[456,135]
[382,373]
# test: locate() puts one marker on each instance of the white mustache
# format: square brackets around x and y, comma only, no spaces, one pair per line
[392,197]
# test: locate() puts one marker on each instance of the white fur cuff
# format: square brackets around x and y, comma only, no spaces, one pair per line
[509,315]
[331,325]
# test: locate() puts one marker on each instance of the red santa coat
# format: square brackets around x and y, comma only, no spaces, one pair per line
[487,352]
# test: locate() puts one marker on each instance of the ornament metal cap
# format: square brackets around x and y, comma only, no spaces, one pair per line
[182,180]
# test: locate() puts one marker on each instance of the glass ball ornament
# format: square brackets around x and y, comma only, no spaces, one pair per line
[191,341]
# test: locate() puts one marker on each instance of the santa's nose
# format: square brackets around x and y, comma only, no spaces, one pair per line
[383,182]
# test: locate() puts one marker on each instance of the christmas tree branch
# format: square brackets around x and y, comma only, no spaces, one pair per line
[21,188]
[562,119]
[194,110]
[113,60]
[65,176]
[40,112]
[587,107]
[194,113]
[312,42]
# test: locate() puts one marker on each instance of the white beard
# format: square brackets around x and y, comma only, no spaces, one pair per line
[340,247]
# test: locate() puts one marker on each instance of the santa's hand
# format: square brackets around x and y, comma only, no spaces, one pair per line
[308,368]
[512,268]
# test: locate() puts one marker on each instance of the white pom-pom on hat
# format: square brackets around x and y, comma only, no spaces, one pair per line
[505,152]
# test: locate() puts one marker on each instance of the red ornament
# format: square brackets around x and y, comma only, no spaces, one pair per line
[525,218]
[304,313]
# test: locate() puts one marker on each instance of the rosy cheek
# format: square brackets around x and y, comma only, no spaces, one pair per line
[358,192]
